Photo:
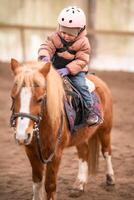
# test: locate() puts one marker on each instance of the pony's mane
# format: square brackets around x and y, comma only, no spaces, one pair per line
[55,95]
[28,75]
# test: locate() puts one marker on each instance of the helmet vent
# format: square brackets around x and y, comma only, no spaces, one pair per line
[62,19]
[70,21]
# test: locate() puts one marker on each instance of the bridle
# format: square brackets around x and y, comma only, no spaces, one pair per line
[35,118]
[36,128]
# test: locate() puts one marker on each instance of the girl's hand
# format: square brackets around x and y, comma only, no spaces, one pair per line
[63,71]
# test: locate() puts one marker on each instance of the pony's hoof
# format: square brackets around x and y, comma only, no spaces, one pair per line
[74,193]
[77,190]
[110,180]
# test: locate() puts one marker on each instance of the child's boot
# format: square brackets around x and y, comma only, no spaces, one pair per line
[92,118]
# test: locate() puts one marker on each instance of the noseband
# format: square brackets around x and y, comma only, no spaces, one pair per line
[34,118]
[36,129]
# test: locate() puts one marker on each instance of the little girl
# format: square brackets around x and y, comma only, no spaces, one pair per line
[68,49]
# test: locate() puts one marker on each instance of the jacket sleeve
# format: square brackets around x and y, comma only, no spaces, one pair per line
[81,58]
[47,48]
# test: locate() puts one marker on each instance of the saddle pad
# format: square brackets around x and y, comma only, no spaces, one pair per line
[90,85]
[71,113]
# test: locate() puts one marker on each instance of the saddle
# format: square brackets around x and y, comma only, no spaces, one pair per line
[74,106]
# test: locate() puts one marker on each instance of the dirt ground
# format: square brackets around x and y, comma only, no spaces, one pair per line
[15,170]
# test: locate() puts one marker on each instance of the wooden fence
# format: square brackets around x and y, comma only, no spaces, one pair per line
[22,30]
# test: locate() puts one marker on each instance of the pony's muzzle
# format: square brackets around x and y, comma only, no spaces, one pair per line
[26,140]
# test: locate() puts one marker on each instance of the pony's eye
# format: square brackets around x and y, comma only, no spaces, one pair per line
[39,100]
[36,85]
[15,84]
[13,98]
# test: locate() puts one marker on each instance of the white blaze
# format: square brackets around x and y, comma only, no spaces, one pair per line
[22,125]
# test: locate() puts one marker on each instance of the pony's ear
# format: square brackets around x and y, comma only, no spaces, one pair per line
[14,65]
[45,69]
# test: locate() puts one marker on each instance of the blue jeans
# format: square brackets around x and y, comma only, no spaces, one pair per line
[80,84]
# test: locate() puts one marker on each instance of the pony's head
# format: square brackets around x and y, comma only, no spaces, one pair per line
[28,94]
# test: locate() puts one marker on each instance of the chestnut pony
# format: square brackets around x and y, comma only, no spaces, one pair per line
[41,125]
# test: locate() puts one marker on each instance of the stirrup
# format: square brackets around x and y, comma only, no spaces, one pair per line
[98,121]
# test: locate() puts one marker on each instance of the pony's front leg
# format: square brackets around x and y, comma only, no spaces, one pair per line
[37,174]
[51,178]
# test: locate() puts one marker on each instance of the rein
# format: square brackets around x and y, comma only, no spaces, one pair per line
[36,129]
[38,142]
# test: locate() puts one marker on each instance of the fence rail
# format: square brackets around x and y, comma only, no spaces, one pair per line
[90,31]
[93,32]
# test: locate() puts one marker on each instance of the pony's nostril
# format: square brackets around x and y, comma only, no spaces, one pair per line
[26,141]
[28,135]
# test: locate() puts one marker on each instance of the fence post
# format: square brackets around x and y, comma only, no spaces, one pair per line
[22,36]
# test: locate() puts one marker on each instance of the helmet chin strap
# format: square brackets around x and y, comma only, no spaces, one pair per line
[82,29]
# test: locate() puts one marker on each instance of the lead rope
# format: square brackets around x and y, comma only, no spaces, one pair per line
[38,142]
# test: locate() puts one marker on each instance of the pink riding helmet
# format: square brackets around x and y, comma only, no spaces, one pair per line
[72,17]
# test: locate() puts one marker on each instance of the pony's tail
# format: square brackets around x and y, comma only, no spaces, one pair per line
[93,160]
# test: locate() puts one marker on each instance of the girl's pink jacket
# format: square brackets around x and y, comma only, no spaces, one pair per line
[81,46]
